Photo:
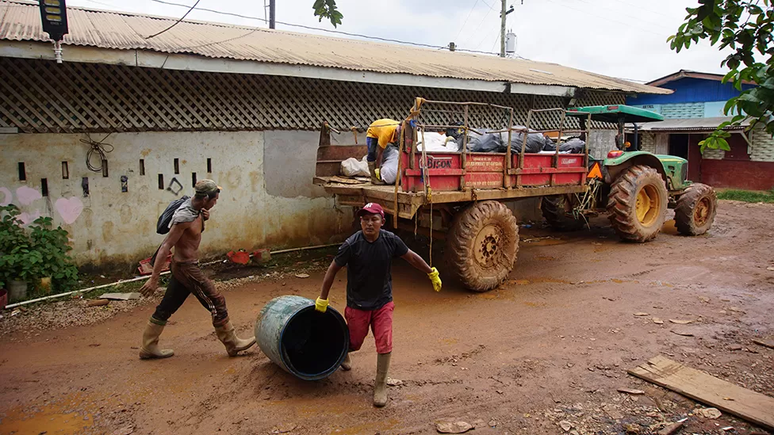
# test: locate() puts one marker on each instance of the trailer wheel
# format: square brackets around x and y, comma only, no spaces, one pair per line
[637,204]
[482,245]
[557,210]
[696,210]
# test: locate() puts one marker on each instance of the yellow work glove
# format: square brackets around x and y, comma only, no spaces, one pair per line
[435,279]
[321,305]
[378,173]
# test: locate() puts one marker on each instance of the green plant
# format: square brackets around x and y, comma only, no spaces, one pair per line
[745,26]
[41,251]
[52,244]
[17,258]
[747,195]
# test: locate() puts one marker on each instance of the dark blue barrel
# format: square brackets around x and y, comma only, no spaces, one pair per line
[304,342]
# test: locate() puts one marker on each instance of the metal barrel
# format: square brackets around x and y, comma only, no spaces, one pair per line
[306,343]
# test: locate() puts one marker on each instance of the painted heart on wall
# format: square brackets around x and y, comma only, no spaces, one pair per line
[28,218]
[27,195]
[69,208]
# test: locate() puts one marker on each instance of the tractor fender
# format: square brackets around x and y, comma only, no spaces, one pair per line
[614,166]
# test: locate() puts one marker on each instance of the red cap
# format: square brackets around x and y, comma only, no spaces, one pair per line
[371,208]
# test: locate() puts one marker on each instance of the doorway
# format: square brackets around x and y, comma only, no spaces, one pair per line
[678,145]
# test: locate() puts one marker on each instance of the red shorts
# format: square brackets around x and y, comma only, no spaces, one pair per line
[381,324]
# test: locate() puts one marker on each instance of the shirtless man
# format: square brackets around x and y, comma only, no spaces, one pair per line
[185,234]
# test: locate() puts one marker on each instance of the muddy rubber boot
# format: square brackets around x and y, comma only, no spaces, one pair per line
[346,365]
[372,169]
[150,343]
[380,385]
[233,344]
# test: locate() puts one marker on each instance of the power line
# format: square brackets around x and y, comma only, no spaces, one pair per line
[466,20]
[630,16]
[339,32]
[176,22]
[606,18]
[479,26]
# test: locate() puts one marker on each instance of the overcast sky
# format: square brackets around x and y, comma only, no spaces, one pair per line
[619,38]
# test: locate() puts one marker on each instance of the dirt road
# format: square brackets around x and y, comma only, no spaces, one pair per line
[551,345]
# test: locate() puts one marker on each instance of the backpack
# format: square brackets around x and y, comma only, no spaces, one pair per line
[162,226]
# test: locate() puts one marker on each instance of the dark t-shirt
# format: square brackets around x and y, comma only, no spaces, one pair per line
[369,282]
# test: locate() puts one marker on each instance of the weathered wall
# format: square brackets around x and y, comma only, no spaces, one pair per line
[601,142]
[738,174]
[113,227]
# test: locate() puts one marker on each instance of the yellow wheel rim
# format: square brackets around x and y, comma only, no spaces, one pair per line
[648,205]
[702,211]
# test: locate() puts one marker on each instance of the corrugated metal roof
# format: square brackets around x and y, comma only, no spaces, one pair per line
[20,21]
[692,124]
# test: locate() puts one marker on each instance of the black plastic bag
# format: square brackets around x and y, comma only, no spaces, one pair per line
[162,225]
[573,146]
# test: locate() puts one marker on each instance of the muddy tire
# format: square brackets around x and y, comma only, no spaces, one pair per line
[557,210]
[637,204]
[482,245]
[696,209]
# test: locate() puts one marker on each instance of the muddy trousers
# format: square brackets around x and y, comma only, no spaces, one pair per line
[187,278]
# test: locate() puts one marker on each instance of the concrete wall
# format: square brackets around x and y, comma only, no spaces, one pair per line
[762,149]
[267,199]
[601,142]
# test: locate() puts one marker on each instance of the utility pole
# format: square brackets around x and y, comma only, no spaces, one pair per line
[272,15]
[503,14]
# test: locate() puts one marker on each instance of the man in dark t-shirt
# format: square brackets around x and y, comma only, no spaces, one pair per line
[368,256]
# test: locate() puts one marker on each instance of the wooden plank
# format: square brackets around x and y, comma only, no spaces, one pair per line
[769,344]
[741,402]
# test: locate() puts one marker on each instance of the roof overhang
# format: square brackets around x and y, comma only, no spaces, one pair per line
[661,81]
[696,125]
[190,62]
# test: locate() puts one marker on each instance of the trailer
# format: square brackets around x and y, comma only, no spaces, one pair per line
[459,195]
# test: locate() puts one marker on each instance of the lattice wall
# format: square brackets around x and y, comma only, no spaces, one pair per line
[41,96]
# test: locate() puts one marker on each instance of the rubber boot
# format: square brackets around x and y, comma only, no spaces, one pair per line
[380,385]
[233,344]
[372,169]
[346,365]
[150,343]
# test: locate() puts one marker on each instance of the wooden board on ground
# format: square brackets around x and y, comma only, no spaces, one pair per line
[121,296]
[749,405]
[343,180]
[766,343]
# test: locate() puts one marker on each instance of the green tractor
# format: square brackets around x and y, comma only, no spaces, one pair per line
[636,186]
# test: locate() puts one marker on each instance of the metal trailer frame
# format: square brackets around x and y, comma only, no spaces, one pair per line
[402,204]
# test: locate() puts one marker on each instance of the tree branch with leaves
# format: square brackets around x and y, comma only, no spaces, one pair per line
[327,9]
[745,26]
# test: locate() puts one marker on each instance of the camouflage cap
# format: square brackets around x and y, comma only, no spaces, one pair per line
[206,187]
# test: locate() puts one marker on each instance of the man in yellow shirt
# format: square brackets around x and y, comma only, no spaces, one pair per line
[381,133]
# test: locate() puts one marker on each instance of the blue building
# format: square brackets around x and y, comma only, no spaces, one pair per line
[691,112]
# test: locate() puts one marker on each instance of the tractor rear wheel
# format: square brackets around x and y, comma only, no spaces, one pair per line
[637,204]
[482,245]
[557,210]
[696,209]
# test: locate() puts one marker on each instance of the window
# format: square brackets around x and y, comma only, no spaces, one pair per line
[177,166]
[193,179]
[142,166]
[209,165]
[22,172]
[44,186]
[65,171]
[161,181]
